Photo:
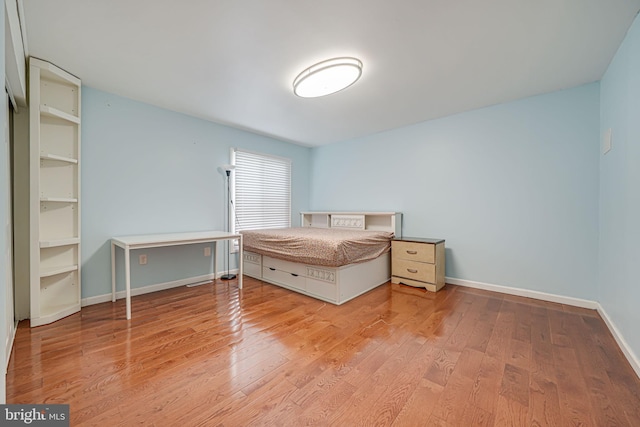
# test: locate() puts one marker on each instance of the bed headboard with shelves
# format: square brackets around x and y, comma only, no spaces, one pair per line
[377,221]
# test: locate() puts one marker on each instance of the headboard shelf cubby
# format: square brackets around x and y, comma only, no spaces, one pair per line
[378,221]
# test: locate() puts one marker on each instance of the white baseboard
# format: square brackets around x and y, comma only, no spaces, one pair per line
[576,302]
[560,299]
[3,369]
[99,299]
[622,343]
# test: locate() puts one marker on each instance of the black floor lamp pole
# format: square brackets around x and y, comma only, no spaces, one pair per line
[228,276]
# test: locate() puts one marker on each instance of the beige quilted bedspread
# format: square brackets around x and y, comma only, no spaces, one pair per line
[329,247]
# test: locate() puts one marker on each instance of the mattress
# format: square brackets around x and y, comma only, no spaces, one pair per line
[329,247]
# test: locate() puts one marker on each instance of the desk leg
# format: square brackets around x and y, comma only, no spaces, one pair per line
[113,272]
[215,259]
[127,280]
[240,262]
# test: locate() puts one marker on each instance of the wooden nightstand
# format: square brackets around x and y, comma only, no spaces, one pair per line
[418,262]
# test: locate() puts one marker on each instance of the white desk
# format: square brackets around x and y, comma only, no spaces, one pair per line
[129,243]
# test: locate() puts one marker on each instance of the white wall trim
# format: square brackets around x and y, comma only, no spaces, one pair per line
[560,299]
[99,299]
[15,65]
[9,344]
[23,27]
[622,343]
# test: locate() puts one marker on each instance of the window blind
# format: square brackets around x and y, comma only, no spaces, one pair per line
[262,191]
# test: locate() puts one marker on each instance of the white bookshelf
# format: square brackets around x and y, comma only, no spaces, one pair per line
[54,134]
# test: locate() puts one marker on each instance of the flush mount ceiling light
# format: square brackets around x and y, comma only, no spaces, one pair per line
[327,77]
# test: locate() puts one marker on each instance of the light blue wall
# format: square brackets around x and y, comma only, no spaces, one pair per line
[150,170]
[619,290]
[512,188]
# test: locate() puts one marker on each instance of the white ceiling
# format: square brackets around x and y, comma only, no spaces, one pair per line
[234,61]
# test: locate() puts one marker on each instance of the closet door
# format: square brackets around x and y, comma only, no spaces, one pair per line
[54,133]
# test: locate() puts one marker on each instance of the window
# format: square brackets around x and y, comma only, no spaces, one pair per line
[261,191]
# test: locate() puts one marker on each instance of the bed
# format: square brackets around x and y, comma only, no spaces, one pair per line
[333,256]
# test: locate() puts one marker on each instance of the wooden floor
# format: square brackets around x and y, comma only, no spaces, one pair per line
[212,355]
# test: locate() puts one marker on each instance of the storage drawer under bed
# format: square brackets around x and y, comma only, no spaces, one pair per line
[285,272]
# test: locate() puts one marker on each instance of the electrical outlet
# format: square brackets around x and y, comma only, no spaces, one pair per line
[207,251]
[142,259]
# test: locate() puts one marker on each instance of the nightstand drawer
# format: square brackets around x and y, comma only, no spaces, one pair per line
[421,271]
[413,251]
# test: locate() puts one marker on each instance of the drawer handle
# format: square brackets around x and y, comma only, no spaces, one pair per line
[294,274]
[272,269]
[412,252]
[411,270]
